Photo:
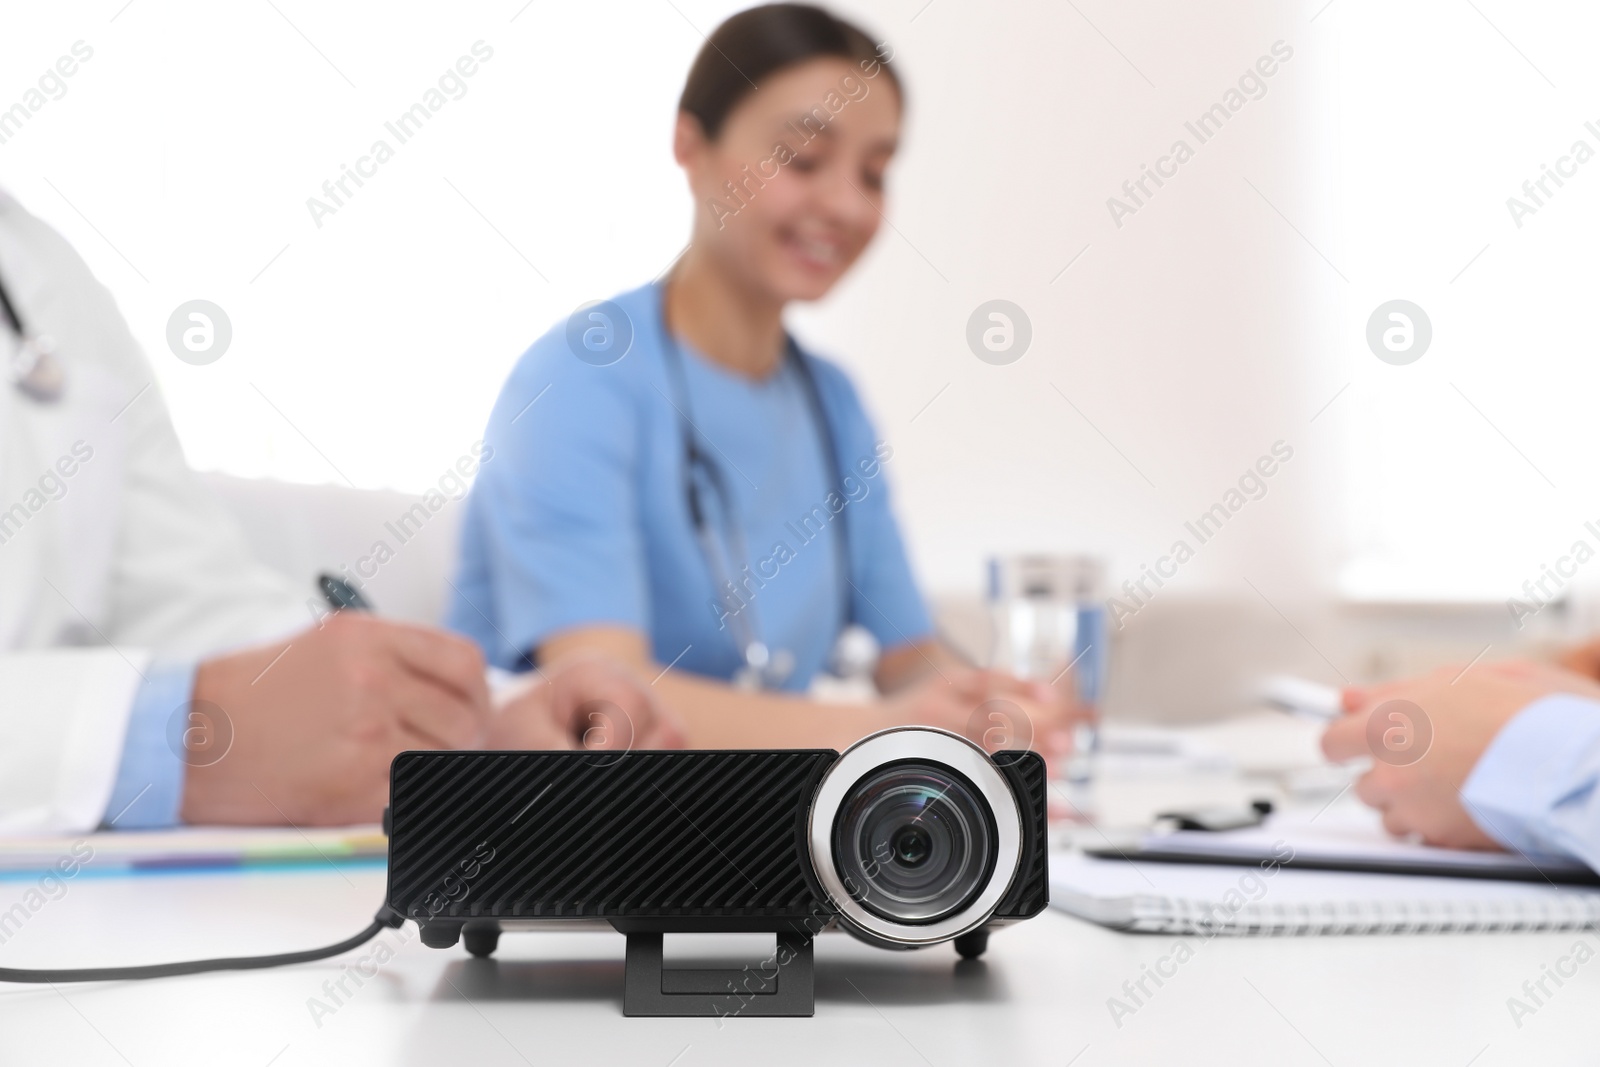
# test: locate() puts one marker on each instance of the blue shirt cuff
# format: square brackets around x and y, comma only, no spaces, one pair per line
[149,785]
[1534,788]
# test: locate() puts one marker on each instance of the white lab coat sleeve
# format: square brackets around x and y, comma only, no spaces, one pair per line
[61,736]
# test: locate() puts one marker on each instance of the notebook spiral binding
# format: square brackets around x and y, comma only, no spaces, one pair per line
[1280,918]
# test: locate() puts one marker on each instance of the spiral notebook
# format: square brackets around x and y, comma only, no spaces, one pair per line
[1231,900]
[1344,876]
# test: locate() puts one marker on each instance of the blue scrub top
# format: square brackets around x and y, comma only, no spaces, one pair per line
[579,515]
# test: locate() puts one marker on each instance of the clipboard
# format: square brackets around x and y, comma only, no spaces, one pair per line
[1344,839]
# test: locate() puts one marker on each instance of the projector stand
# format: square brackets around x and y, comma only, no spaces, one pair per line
[776,989]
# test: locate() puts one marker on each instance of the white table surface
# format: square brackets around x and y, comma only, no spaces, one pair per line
[1039,996]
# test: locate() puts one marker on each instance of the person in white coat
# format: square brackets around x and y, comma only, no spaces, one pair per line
[152,671]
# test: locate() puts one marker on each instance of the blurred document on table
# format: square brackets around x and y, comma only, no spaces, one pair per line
[190,847]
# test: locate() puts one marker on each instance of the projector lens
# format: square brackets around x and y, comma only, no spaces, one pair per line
[914,842]
[912,845]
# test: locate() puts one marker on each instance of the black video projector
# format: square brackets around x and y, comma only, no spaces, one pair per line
[909,838]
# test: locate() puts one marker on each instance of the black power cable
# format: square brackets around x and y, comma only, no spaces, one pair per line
[385,918]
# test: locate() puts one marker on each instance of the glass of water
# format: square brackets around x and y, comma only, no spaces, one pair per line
[1049,617]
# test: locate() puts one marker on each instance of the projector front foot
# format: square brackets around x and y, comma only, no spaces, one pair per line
[481,939]
[440,934]
[972,945]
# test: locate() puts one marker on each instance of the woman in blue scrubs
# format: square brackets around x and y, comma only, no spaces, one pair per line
[677,483]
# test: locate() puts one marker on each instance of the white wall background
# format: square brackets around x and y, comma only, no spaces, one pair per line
[1172,353]
[1470,469]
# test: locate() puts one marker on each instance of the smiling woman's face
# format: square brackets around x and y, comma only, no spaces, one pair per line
[806,155]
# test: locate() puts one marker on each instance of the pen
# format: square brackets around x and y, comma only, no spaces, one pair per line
[341,594]
[1297,696]
[1218,819]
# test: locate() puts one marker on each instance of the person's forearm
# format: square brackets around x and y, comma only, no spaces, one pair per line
[906,665]
[717,715]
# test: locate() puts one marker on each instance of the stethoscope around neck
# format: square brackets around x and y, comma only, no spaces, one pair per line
[34,368]
[764,666]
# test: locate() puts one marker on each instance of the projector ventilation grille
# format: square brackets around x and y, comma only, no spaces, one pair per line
[602,835]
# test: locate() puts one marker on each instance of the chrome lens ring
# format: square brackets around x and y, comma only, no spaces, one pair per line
[915,744]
